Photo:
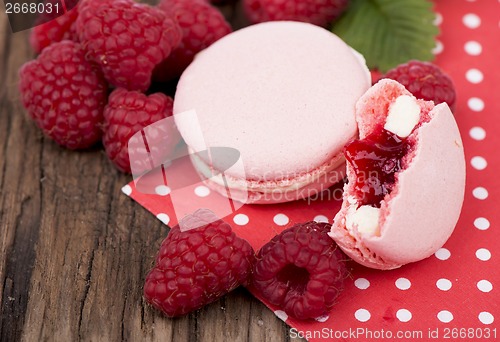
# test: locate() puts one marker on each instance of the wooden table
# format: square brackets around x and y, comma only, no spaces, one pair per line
[74,251]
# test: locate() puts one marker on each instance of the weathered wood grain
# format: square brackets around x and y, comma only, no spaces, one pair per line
[74,250]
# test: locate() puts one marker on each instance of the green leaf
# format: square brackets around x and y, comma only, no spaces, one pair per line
[389,32]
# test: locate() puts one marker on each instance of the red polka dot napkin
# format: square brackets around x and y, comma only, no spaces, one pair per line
[454,293]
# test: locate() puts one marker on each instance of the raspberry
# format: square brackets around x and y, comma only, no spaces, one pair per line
[301,270]
[65,94]
[60,28]
[425,81]
[318,12]
[126,113]
[202,25]
[197,266]
[126,39]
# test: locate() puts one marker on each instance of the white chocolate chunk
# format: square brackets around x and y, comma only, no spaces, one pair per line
[404,115]
[365,219]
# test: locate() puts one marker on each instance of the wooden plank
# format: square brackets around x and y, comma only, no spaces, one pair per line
[20,196]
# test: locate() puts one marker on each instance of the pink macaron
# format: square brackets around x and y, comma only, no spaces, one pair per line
[406,179]
[283,95]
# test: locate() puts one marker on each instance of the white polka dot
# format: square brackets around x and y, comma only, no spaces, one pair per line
[362,315]
[127,190]
[162,190]
[473,48]
[362,283]
[281,315]
[403,284]
[442,254]
[485,317]
[445,316]
[484,286]
[241,219]
[163,218]
[403,315]
[281,219]
[438,20]
[202,191]
[481,223]
[471,20]
[474,76]
[475,104]
[480,193]
[322,319]
[479,163]
[438,48]
[483,254]
[477,133]
[321,218]
[443,284]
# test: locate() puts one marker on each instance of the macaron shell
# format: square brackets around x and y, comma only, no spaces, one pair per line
[423,212]
[281,93]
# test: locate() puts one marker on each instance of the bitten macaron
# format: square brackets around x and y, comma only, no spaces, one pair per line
[406,179]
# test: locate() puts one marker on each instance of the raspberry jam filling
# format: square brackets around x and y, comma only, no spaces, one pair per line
[375,160]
